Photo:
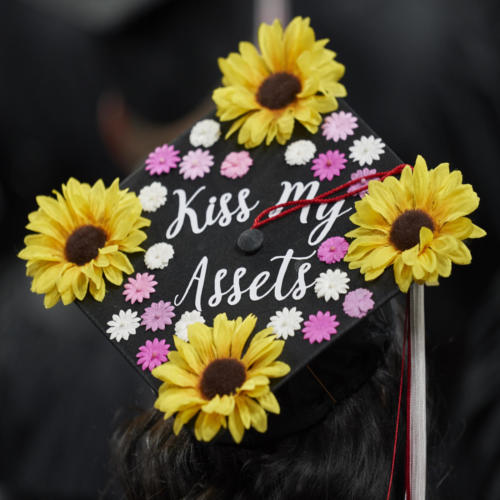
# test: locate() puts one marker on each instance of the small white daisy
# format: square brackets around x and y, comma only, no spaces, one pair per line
[331,284]
[158,255]
[367,149]
[188,318]
[300,152]
[123,325]
[152,197]
[285,322]
[205,133]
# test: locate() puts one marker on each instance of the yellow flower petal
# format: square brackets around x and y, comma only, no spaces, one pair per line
[244,412]
[276,369]
[241,334]
[295,52]
[222,405]
[222,332]
[269,402]
[58,218]
[272,46]
[245,406]
[173,399]
[235,425]
[51,298]
[168,372]
[113,275]
[182,418]
[257,415]
[207,425]
[439,193]
[200,337]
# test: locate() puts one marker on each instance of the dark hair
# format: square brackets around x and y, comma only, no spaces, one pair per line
[347,455]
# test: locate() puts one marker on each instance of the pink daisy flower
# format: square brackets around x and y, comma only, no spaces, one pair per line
[196,163]
[328,164]
[320,326]
[162,160]
[333,249]
[139,288]
[236,165]
[361,174]
[158,315]
[358,302]
[339,125]
[152,354]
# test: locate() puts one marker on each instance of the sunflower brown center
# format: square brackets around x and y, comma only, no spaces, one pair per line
[405,231]
[83,244]
[222,376]
[278,90]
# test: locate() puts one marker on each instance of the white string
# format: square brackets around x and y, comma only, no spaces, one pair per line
[418,429]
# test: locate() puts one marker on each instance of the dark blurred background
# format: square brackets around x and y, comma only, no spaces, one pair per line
[87,89]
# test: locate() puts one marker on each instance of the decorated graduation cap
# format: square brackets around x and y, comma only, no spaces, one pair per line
[255,245]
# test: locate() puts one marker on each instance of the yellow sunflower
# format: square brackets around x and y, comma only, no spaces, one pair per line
[417,224]
[293,78]
[81,237]
[210,377]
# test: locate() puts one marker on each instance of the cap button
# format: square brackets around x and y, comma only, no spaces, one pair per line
[250,241]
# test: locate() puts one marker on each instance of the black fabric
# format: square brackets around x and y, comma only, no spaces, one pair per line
[288,254]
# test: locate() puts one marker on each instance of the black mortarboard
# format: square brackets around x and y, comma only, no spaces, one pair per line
[219,249]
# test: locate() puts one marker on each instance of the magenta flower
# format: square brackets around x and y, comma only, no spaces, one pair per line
[196,163]
[358,302]
[361,174]
[158,315]
[339,126]
[320,326]
[236,164]
[152,354]
[328,164]
[162,160]
[139,288]
[333,249]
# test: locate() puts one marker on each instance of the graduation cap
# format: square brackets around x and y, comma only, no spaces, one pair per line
[266,245]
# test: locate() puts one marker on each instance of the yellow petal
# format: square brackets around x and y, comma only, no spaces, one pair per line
[420,182]
[188,352]
[173,399]
[113,275]
[44,281]
[51,298]
[241,334]
[244,412]
[276,369]
[80,285]
[253,382]
[425,237]
[272,46]
[428,261]
[402,274]
[477,232]
[200,337]
[235,426]
[168,372]
[120,261]
[257,415]
[222,405]
[183,417]
[222,336]
[97,292]
[269,402]
[207,425]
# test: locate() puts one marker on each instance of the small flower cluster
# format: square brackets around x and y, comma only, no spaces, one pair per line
[195,164]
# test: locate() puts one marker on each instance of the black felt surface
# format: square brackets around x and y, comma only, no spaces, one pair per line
[218,211]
